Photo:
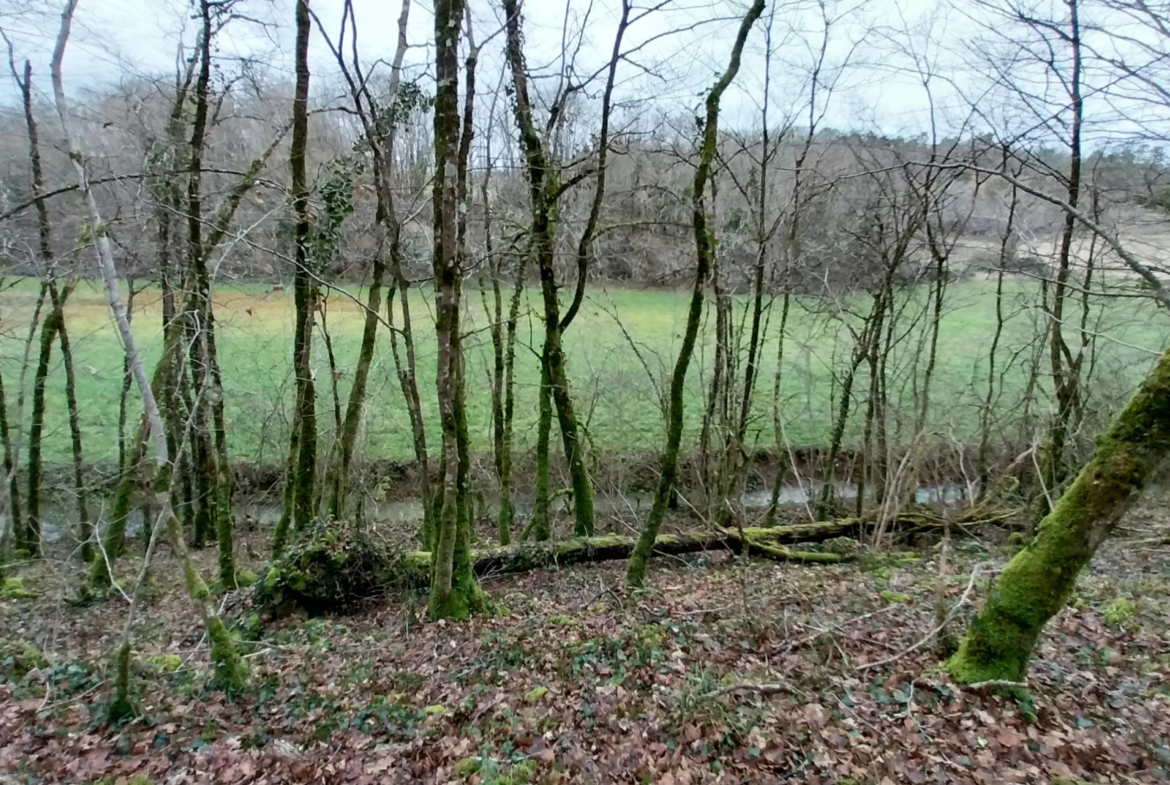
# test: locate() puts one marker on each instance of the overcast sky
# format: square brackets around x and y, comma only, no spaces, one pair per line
[115,39]
[876,49]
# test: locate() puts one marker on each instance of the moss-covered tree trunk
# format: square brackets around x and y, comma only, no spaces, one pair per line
[85,530]
[13,476]
[28,536]
[28,533]
[836,436]
[224,479]
[508,393]
[539,526]
[705,252]
[502,333]
[454,591]
[496,330]
[113,541]
[224,653]
[304,287]
[407,372]
[544,191]
[168,196]
[379,123]
[1036,583]
[8,498]
[212,476]
[777,416]
[124,393]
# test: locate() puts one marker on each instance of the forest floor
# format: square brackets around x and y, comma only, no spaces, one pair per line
[726,671]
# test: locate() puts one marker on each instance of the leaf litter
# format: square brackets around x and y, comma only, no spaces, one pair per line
[726,671]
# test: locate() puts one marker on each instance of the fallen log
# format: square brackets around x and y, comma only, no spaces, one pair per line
[531,556]
[337,566]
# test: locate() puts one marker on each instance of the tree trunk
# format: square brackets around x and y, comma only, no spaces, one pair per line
[229,665]
[338,484]
[18,416]
[539,526]
[224,479]
[1006,251]
[114,539]
[544,191]
[28,536]
[777,417]
[84,525]
[1065,368]
[496,315]
[1036,584]
[304,288]
[10,511]
[836,436]
[454,591]
[507,508]
[212,478]
[124,393]
[705,251]
[408,382]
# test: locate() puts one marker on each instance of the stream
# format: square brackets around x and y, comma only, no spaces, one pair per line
[58,518]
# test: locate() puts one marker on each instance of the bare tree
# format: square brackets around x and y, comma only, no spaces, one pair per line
[705,250]
[230,668]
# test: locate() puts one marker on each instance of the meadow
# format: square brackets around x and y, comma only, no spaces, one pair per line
[617,388]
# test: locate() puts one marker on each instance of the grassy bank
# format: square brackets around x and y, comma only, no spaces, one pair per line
[616,390]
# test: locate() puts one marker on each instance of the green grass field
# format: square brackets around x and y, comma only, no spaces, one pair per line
[613,388]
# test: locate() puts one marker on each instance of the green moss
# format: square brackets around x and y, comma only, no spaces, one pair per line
[521,773]
[895,596]
[536,694]
[651,636]
[1039,580]
[231,671]
[561,620]
[167,663]
[437,709]
[1120,610]
[17,659]
[196,587]
[245,577]
[121,706]
[464,599]
[579,544]
[250,626]
[13,589]
[467,767]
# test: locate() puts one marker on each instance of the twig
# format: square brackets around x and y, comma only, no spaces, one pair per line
[994,683]
[763,689]
[930,636]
